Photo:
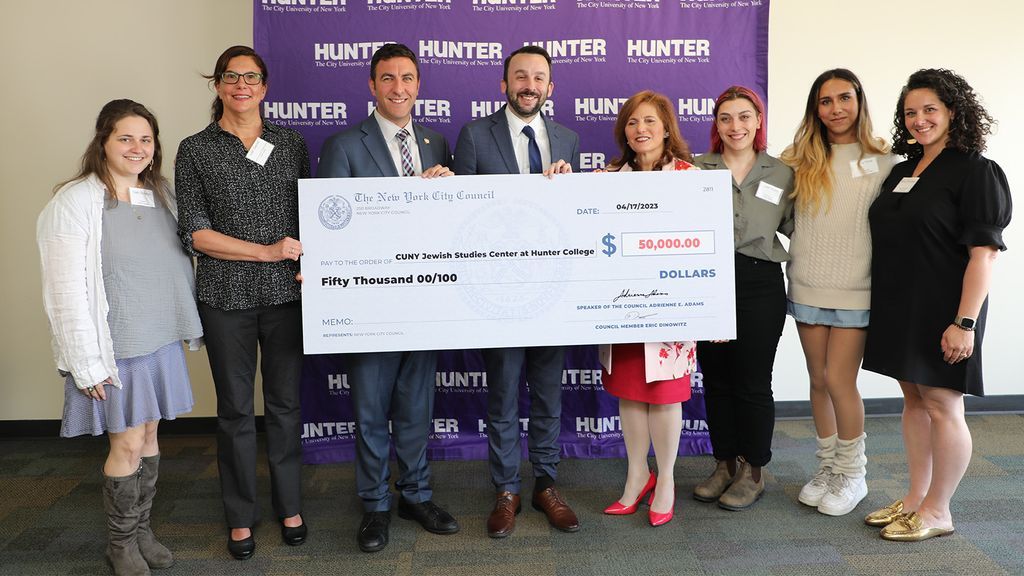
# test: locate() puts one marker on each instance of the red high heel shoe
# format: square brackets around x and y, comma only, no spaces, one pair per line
[619,509]
[658,518]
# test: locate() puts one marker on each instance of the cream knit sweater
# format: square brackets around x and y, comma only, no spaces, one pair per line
[830,251]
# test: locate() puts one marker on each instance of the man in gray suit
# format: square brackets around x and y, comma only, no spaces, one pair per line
[389,143]
[518,140]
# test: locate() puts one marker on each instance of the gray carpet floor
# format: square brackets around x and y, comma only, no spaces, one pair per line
[51,521]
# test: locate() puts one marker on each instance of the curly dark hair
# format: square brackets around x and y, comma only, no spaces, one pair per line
[969,125]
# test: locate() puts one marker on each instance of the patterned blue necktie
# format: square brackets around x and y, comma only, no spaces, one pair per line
[536,164]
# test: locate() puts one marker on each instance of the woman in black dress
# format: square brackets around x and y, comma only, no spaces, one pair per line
[936,230]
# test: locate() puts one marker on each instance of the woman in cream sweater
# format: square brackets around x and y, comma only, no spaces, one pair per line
[839,167]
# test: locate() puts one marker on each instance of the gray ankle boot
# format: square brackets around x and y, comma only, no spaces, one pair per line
[156,554]
[120,499]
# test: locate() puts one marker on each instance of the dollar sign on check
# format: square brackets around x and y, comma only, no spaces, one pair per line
[609,244]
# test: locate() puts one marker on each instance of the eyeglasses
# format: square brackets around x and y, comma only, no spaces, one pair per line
[251,78]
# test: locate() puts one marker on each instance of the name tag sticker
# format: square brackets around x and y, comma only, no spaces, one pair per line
[864,167]
[141,197]
[769,193]
[260,151]
[905,185]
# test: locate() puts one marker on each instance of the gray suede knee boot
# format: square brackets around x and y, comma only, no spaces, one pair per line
[156,554]
[120,499]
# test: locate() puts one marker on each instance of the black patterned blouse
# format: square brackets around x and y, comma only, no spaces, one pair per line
[219,189]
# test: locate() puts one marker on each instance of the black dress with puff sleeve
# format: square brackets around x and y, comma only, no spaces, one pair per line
[920,241]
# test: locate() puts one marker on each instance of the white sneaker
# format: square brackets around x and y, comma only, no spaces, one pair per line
[812,492]
[844,493]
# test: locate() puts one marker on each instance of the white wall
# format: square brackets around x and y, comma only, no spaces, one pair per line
[883,42]
[63,59]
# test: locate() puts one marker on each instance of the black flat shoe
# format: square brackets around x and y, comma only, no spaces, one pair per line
[294,536]
[242,549]
[373,531]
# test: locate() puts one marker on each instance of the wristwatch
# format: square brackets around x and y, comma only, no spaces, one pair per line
[964,323]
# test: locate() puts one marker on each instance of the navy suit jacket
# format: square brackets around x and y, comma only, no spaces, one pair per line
[361,152]
[485,146]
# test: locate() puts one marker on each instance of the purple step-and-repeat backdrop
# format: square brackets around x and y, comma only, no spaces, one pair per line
[318,53]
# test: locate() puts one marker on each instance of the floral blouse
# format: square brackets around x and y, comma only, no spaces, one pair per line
[662,360]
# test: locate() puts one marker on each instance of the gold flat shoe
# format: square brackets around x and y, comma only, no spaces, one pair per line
[884,516]
[910,528]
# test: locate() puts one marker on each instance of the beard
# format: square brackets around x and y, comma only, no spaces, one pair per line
[521,111]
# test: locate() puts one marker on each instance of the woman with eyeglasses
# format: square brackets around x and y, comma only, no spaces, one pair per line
[119,294]
[237,184]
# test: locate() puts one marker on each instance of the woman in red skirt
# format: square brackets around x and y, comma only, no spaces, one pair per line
[650,380]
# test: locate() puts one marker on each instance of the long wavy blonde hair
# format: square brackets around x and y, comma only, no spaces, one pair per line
[810,154]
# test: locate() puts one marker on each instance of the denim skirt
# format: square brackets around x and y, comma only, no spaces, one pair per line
[828,316]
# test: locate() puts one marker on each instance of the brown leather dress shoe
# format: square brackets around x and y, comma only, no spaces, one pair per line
[550,502]
[502,520]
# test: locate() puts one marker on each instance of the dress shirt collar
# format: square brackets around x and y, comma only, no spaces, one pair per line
[390,129]
[515,123]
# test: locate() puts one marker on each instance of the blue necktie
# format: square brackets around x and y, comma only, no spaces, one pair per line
[536,164]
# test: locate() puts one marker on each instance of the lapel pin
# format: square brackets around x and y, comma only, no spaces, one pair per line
[426,140]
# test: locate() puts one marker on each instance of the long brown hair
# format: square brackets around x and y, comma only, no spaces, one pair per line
[675,146]
[94,160]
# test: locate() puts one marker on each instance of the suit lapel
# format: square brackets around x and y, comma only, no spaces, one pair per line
[499,130]
[373,139]
[556,142]
[427,156]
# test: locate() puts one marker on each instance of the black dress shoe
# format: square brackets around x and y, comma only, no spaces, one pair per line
[431,516]
[242,549]
[373,531]
[293,536]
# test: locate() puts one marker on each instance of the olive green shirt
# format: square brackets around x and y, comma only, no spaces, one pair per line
[756,220]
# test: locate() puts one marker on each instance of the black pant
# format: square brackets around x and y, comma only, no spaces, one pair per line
[232,338]
[738,373]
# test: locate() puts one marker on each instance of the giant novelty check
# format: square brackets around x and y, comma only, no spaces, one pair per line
[520,260]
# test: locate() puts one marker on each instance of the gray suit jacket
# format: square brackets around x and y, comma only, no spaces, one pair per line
[485,146]
[361,152]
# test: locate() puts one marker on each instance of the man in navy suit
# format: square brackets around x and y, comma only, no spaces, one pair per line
[389,143]
[518,140]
